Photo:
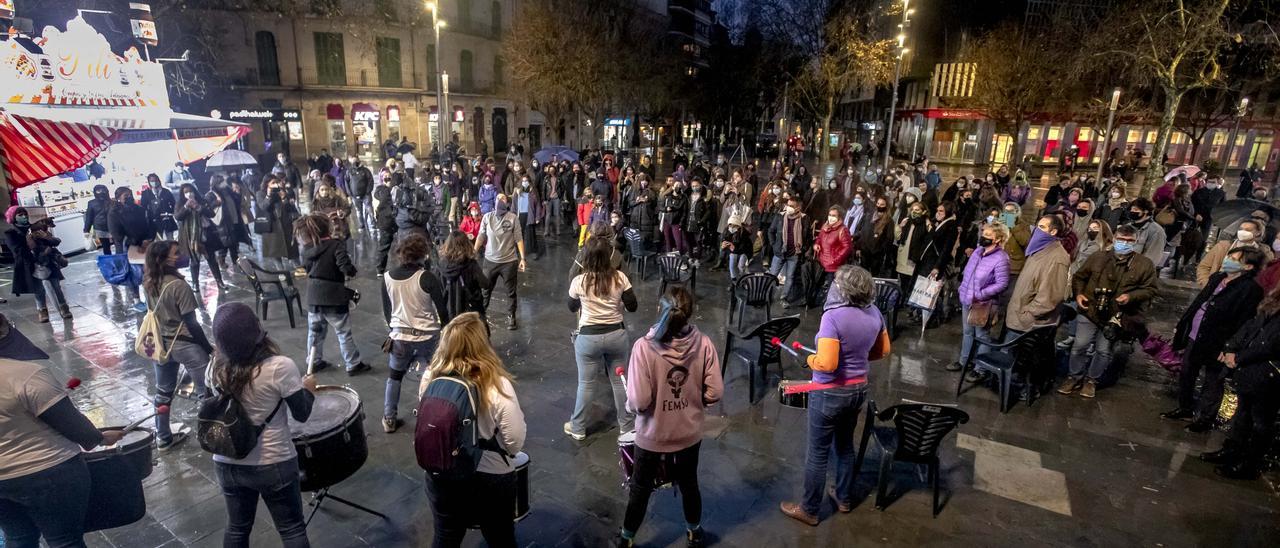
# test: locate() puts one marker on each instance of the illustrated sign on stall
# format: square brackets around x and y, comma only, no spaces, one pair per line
[77,67]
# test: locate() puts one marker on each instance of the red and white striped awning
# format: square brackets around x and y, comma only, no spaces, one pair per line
[33,149]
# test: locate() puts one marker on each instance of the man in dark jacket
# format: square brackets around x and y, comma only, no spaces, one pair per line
[95,219]
[1229,300]
[360,182]
[386,218]
[1203,201]
[1111,290]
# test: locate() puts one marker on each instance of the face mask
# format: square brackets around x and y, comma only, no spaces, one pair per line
[183,261]
[882,208]
[22,220]
[789,210]
[697,189]
[985,241]
[1212,186]
[1231,266]
[1092,234]
[1244,235]
[916,214]
[189,196]
[524,184]
[1137,217]
[991,219]
[1082,212]
[1115,195]
[831,186]
[1123,248]
[832,219]
[1008,218]
[940,216]
[733,230]
[719,184]
[857,201]
[777,191]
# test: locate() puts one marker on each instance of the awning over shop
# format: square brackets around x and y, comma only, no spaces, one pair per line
[41,141]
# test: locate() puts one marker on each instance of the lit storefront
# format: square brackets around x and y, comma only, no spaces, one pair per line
[617,132]
[366,128]
[280,129]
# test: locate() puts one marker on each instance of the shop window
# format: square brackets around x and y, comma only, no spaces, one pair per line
[331,63]
[268,64]
[1260,151]
[388,50]
[498,68]
[466,70]
[338,138]
[496,19]
[1052,143]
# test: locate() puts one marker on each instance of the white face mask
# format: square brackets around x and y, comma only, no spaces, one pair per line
[1115,194]
[777,191]
[832,219]
[1244,235]
[789,210]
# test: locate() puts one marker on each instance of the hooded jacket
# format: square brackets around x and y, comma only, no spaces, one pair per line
[669,385]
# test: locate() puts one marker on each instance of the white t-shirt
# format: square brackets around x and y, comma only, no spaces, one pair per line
[28,444]
[278,379]
[599,310]
[410,161]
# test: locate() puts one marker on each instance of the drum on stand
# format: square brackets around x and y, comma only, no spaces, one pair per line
[627,461]
[331,444]
[521,462]
[116,473]
[798,400]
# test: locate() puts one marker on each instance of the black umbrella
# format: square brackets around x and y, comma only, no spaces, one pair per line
[1231,212]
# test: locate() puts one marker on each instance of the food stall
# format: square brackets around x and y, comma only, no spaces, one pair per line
[75,114]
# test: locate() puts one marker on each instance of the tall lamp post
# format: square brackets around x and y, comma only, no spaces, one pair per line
[444,106]
[436,24]
[1235,130]
[1106,139]
[897,73]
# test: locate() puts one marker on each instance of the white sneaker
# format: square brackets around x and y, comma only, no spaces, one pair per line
[568,429]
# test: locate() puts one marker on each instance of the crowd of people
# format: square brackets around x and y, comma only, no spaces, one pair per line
[1086,259]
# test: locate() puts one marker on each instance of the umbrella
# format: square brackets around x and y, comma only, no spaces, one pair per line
[231,159]
[565,153]
[1231,212]
[1186,171]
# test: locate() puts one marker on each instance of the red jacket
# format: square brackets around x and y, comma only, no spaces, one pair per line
[834,246]
[584,213]
[471,226]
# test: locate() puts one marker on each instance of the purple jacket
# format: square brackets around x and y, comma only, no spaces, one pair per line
[668,385]
[986,275]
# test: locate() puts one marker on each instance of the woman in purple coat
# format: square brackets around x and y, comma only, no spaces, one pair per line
[986,275]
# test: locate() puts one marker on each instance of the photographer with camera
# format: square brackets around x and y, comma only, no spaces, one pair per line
[1111,289]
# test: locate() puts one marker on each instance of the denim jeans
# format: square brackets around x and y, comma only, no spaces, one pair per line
[1088,333]
[483,499]
[42,299]
[833,418]
[969,331]
[279,488]
[607,351]
[737,265]
[319,323]
[196,361]
[786,266]
[403,356]
[50,503]
[555,218]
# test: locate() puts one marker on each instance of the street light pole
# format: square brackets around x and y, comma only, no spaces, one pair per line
[444,122]
[436,24]
[1235,131]
[897,73]
[1106,139]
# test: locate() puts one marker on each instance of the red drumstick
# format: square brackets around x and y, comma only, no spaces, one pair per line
[73,383]
[778,342]
[796,345]
[622,373]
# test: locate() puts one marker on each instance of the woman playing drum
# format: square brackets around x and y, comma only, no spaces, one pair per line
[851,328]
[487,496]
[249,366]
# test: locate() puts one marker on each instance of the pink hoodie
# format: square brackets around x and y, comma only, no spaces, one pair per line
[669,385]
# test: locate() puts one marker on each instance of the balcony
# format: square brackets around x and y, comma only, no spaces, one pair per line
[361,78]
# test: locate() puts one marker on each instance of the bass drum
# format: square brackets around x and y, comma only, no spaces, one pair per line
[116,473]
[331,444]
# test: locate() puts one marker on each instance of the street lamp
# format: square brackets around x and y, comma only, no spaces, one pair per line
[1235,129]
[444,122]
[1106,142]
[897,73]
[436,24]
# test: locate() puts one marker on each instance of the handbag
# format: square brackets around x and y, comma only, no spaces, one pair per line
[115,269]
[925,293]
[1166,216]
[982,314]
[262,221]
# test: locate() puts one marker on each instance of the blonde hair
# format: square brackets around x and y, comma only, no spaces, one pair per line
[1002,231]
[465,351]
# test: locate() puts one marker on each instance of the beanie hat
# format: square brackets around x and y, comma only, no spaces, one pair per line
[237,332]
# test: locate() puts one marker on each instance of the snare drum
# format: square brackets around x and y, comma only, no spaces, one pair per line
[116,472]
[627,461]
[331,444]
[521,462]
[798,400]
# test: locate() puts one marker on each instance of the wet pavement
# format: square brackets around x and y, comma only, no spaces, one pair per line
[1065,471]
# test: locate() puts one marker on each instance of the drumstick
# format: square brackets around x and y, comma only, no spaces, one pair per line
[622,373]
[160,410]
[796,345]
[778,343]
[73,383]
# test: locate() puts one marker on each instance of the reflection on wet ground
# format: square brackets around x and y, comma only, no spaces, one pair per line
[1064,471]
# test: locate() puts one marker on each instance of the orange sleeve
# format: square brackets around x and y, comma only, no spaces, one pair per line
[827,358]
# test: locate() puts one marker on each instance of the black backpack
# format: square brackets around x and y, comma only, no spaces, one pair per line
[446,439]
[224,427]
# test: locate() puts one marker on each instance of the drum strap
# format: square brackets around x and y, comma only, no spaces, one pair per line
[812,386]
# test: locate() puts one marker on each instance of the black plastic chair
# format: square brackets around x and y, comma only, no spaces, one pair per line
[1004,360]
[888,299]
[753,290]
[639,255]
[769,353]
[677,270]
[271,285]
[917,433]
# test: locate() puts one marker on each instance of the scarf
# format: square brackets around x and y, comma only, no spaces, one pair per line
[853,219]
[1039,240]
[791,227]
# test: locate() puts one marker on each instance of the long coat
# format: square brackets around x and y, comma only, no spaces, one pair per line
[197,233]
[278,244]
[24,261]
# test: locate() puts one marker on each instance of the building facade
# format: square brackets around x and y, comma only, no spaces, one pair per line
[349,75]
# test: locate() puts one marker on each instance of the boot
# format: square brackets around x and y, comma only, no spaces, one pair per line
[64,311]
[1223,456]
[42,315]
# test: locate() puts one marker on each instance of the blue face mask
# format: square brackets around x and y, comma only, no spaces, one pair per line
[1123,248]
[1009,218]
[1230,265]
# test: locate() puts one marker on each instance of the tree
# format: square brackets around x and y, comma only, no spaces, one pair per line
[1175,47]
[1201,111]
[843,46]
[1011,83]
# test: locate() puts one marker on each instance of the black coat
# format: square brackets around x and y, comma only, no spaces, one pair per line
[777,243]
[95,215]
[130,225]
[24,261]
[676,207]
[1256,346]
[464,287]
[328,267]
[159,205]
[1227,312]
[940,250]
[1203,201]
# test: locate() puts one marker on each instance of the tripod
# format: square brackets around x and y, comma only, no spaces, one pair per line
[322,494]
[737,151]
